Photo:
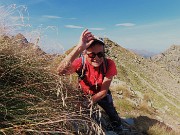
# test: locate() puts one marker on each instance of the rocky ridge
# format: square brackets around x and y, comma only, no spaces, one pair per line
[169,60]
[21,42]
[146,78]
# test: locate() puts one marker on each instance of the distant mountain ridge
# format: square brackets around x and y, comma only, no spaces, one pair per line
[22,42]
[170,60]
[143,53]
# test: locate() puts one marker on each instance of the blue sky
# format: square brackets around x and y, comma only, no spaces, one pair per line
[152,25]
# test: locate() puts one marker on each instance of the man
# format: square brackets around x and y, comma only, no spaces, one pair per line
[96,81]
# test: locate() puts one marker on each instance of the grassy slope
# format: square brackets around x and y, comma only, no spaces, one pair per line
[157,86]
[29,88]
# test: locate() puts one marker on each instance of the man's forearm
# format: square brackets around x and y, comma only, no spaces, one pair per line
[99,96]
[85,41]
[65,64]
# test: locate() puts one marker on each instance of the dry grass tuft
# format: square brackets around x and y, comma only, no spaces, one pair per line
[33,99]
[13,18]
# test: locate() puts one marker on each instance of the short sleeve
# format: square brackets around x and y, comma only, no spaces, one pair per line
[76,64]
[111,69]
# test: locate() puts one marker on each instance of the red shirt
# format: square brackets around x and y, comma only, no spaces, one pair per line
[92,82]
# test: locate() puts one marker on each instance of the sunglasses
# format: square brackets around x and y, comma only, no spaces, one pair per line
[93,55]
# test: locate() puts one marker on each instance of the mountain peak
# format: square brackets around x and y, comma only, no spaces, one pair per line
[169,59]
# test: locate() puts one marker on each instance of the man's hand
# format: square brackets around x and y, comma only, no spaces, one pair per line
[87,103]
[86,39]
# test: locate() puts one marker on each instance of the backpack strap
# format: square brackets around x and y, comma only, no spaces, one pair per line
[82,70]
[104,67]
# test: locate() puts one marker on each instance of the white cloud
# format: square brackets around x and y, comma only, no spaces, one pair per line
[51,16]
[154,36]
[72,18]
[126,24]
[15,18]
[74,26]
[96,28]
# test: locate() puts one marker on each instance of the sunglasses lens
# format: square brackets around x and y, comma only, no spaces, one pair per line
[92,55]
[100,54]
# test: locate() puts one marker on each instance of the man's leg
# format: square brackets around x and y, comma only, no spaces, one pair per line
[107,104]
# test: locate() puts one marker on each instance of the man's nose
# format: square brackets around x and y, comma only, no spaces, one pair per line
[96,57]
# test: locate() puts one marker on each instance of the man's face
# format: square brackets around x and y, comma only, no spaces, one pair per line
[94,55]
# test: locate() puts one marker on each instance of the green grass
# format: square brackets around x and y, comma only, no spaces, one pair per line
[159,129]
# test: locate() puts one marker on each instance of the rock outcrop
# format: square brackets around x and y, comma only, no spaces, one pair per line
[170,60]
